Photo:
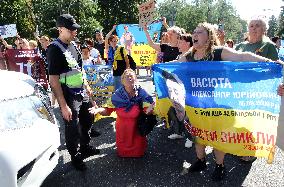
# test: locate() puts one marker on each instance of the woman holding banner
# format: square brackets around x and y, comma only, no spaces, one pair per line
[170,50]
[126,102]
[205,48]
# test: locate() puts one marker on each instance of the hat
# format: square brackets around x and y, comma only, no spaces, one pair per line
[67,21]
[97,31]
[85,46]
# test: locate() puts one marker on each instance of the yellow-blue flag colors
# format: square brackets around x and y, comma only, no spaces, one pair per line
[100,79]
[232,106]
[141,52]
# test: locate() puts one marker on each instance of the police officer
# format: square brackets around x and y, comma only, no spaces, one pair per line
[67,83]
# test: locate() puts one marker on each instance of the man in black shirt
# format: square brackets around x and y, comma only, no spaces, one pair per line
[66,81]
[99,44]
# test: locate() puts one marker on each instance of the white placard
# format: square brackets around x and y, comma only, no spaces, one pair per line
[8,31]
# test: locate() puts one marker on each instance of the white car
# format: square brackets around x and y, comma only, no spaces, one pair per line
[29,135]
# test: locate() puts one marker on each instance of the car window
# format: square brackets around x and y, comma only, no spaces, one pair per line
[21,112]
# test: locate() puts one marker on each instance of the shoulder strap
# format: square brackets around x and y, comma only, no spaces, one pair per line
[217,54]
[121,53]
[58,44]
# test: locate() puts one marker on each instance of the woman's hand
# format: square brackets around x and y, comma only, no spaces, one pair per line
[94,110]
[280,90]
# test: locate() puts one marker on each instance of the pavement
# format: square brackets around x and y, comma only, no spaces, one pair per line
[163,164]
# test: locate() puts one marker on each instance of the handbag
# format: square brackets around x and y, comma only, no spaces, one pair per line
[145,122]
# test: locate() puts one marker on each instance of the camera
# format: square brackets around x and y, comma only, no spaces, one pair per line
[221,27]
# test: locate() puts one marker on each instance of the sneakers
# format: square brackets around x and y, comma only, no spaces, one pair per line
[94,133]
[188,143]
[78,163]
[218,173]
[198,166]
[175,136]
[89,151]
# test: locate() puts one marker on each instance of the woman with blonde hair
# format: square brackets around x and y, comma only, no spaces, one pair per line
[32,44]
[126,102]
[205,48]
[170,50]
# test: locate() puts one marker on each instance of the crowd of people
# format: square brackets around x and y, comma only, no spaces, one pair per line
[65,57]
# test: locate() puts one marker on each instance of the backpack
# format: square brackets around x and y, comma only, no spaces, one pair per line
[131,61]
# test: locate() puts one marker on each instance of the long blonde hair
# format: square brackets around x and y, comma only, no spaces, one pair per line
[212,39]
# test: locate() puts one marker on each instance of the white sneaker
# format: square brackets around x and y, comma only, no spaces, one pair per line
[188,143]
[175,136]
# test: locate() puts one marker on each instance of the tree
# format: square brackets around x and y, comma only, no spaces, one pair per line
[27,14]
[273,27]
[169,9]
[281,22]
[83,11]
[17,12]
[211,11]
[112,12]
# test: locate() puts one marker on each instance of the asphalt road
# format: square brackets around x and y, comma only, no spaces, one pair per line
[161,166]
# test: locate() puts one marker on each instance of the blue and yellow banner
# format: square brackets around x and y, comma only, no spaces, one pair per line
[141,52]
[232,106]
[100,79]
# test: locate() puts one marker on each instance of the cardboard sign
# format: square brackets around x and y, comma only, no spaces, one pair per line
[146,13]
[8,31]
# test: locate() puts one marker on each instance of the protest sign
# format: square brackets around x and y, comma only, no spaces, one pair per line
[28,62]
[146,13]
[8,31]
[141,52]
[232,106]
[100,79]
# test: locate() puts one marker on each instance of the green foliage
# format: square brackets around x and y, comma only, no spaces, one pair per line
[189,21]
[83,11]
[17,12]
[169,9]
[111,12]
[29,13]
[272,24]
[281,23]
[188,15]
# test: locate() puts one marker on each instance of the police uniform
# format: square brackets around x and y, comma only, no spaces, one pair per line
[65,60]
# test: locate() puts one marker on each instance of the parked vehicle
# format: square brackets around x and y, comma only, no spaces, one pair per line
[29,135]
